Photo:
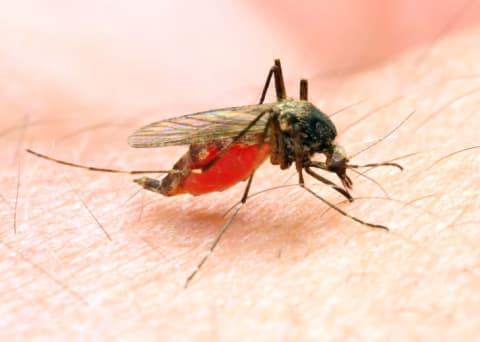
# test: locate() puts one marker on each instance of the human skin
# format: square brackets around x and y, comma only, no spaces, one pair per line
[284,270]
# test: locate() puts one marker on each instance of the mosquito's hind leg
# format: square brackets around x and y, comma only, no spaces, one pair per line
[92,168]
[224,228]
[276,72]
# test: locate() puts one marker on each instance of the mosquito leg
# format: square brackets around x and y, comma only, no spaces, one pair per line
[278,154]
[279,83]
[333,206]
[298,150]
[321,165]
[233,142]
[212,247]
[90,168]
[222,231]
[245,130]
[267,84]
[247,188]
[280,89]
[346,181]
[301,182]
[330,183]
[304,89]
[276,70]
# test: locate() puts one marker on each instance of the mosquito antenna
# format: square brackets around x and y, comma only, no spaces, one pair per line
[354,166]
[386,135]
[372,166]
[91,168]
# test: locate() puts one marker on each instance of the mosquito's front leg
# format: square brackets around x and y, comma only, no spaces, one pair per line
[276,72]
[326,181]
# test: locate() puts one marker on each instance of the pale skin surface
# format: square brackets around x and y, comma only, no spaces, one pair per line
[283,270]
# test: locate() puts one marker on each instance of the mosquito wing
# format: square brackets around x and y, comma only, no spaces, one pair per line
[203,127]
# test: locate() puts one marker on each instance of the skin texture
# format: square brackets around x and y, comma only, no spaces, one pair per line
[76,88]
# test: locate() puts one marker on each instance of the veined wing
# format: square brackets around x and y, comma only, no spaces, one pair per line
[202,127]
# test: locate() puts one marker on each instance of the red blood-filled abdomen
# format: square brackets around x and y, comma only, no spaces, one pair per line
[236,165]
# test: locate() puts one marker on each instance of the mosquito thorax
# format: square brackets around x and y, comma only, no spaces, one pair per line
[316,129]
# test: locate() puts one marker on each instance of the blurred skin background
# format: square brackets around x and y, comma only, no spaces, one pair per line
[185,52]
[343,34]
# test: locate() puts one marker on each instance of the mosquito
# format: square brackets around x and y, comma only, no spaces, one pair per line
[226,146]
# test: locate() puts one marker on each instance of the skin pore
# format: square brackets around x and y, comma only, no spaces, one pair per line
[287,268]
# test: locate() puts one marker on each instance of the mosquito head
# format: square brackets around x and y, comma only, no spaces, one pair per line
[337,162]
